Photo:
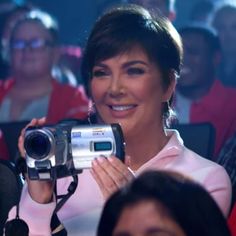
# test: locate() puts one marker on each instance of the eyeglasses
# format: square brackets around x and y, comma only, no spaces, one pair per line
[34,44]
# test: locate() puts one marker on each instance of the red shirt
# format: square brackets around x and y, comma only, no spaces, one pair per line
[65,102]
[4,155]
[218,107]
[232,221]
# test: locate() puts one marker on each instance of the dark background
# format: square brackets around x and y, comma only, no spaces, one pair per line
[76,17]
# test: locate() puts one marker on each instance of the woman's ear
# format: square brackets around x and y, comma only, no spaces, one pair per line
[171,88]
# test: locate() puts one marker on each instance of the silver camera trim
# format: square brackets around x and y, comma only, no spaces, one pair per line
[30,161]
[82,144]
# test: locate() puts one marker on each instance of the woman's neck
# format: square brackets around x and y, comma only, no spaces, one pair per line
[142,148]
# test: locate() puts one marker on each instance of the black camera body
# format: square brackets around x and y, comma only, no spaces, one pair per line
[56,151]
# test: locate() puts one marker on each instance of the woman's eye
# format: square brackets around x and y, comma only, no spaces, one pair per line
[99,73]
[135,71]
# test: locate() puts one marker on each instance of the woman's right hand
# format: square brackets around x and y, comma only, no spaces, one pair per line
[40,191]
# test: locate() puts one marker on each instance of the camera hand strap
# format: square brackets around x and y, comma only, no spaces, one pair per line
[17,226]
[56,226]
[71,189]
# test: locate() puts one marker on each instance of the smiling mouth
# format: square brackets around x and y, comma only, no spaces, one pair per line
[122,107]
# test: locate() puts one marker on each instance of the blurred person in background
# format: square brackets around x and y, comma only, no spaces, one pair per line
[200,95]
[201,11]
[32,91]
[64,70]
[9,14]
[224,21]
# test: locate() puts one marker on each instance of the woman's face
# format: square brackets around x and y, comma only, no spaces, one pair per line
[146,218]
[32,51]
[127,89]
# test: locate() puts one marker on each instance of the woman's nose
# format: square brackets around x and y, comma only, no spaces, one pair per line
[116,87]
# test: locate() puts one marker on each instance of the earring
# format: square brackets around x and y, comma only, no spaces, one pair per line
[91,111]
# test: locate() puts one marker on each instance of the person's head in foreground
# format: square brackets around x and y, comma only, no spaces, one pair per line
[162,203]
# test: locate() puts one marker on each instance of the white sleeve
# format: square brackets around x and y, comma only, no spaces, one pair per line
[36,215]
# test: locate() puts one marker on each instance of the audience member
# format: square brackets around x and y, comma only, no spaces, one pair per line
[130,76]
[227,158]
[32,92]
[200,96]
[162,203]
[224,21]
[8,17]
[62,70]
[9,14]
[201,11]
[156,7]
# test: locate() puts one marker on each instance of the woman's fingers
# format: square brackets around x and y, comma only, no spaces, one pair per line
[41,121]
[124,174]
[110,174]
[95,173]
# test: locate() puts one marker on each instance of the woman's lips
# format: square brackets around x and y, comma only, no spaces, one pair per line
[121,107]
[121,111]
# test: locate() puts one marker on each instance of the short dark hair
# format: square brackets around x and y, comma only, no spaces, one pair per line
[209,34]
[185,201]
[125,27]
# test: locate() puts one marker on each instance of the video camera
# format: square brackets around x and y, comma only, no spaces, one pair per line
[56,151]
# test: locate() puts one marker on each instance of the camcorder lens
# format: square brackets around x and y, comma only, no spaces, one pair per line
[37,145]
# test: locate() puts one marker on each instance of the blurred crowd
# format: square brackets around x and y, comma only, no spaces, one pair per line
[41,77]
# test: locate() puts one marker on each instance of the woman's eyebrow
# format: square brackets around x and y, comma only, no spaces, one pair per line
[133,62]
[100,64]
[159,230]
[125,64]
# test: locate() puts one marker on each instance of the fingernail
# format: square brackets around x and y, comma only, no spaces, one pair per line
[100,159]
[94,162]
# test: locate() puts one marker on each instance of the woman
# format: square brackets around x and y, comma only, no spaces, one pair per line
[32,91]
[162,203]
[131,77]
